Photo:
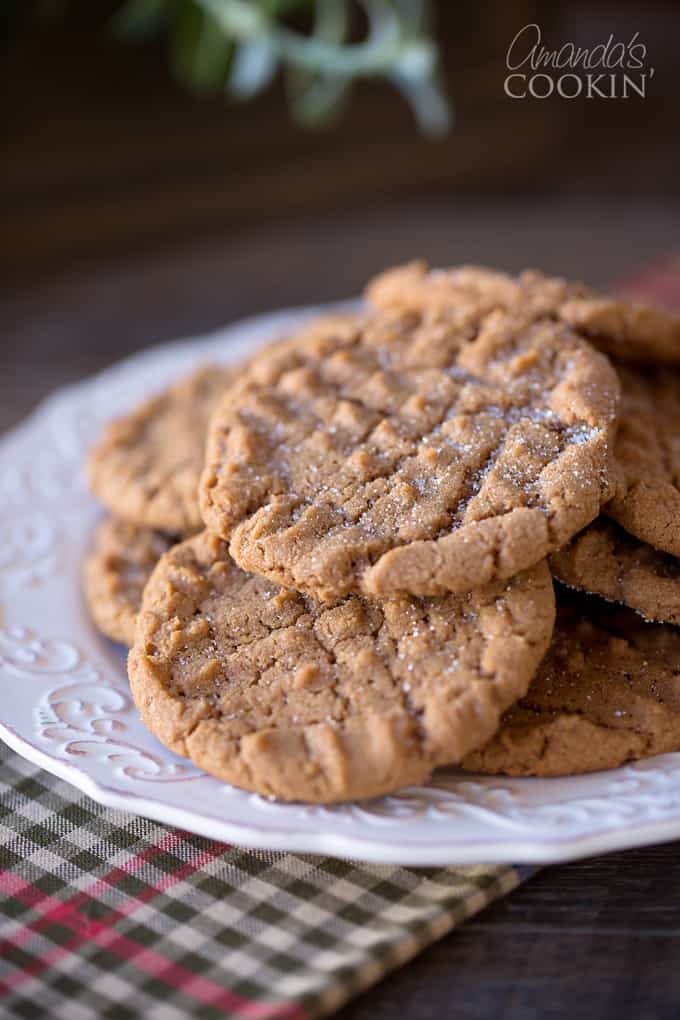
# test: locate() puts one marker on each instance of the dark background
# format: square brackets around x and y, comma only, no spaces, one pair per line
[135,213]
[106,154]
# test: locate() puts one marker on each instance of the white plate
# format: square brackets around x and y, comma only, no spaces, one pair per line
[66,706]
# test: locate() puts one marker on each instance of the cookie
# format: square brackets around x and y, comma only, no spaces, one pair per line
[607,692]
[114,574]
[607,561]
[627,330]
[415,287]
[411,453]
[274,692]
[146,467]
[647,501]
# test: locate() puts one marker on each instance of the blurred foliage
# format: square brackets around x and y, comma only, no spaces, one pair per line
[321,47]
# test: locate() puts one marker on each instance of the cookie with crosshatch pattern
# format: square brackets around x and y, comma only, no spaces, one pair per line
[275,692]
[627,330]
[418,451]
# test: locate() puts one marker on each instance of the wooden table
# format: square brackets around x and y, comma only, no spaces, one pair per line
[598,939]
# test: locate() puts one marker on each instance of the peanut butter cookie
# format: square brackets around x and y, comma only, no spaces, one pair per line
[412,452]
[607,561]
[607,692]
[647,501]
[275,692]
[146,467]
[627,330]
[114,574]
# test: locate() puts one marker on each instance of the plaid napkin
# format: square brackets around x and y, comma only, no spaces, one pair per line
[104,914]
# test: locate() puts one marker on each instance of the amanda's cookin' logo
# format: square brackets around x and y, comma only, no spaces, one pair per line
[608,70]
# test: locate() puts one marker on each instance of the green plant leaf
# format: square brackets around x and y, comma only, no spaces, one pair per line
[331,20]
[253,68]
[200,51]
[413,15]
[238,19]
[316,99]
[238,46]
[426,98]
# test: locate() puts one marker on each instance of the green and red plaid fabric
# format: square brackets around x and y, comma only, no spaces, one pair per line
[107,915]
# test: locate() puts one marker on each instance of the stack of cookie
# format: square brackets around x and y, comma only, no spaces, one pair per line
[350,583]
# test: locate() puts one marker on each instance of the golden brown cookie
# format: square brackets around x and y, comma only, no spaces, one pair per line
[275,692]
[625,329]
[647,501]
[607,561]
[411,452]
[607,692]
[414,287]
[146,467]
[115,571]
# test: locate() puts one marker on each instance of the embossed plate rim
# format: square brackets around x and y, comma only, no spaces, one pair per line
[60,720]
[435,854]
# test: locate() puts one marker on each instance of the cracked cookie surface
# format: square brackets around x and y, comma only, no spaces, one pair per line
[605,560]
[628,330]
[115,571]
[607,692]
[647,449]
[275,692]
[411,452]
[147,465]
